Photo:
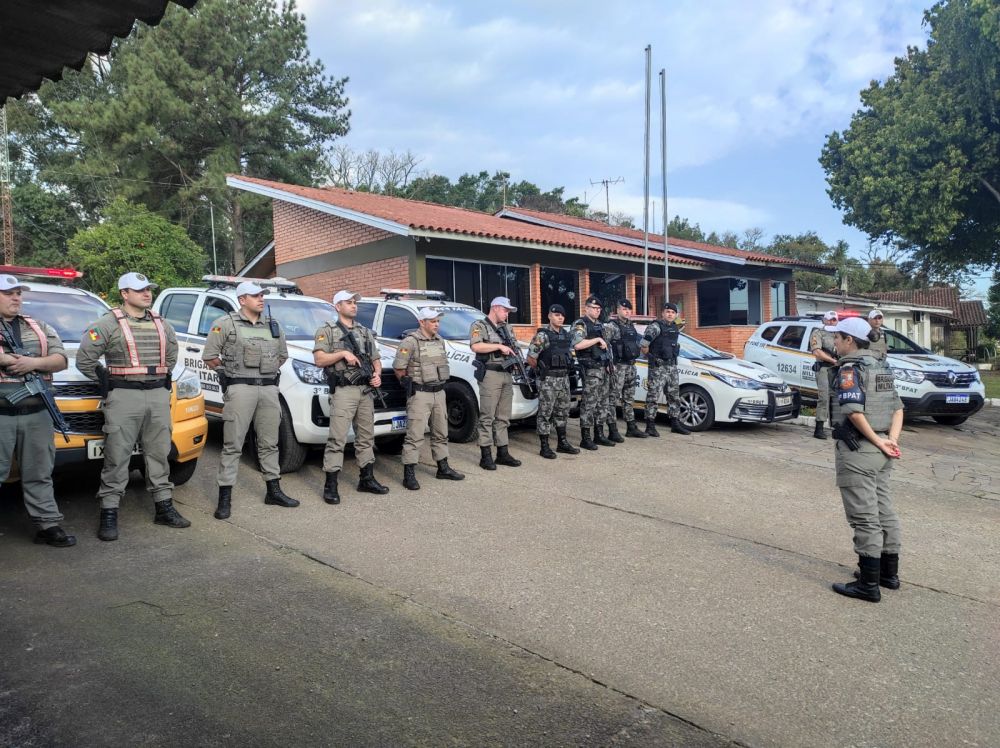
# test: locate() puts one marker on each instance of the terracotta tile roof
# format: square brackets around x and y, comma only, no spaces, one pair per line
[971,313]
[591,225]
[445,219]
[964,313]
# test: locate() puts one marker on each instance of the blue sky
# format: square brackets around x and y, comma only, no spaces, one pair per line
[553,93]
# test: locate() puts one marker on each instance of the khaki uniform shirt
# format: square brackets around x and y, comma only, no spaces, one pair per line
[330,339]
[29,340]
[105,336]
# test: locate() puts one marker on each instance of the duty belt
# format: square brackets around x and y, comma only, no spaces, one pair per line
[429,387]
[554,373]
[663,361]
[22,409]
[258,381]
[132,384]
[495,367]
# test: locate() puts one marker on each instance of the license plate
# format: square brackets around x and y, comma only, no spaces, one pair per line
[783,400]
[956,399]
[95,449]
[399,423]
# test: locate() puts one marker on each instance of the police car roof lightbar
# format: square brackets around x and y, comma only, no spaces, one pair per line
[225,281]
[60,273]
[413,293]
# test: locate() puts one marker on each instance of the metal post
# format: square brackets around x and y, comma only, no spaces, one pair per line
[215,262]
[645,186]
[663,168]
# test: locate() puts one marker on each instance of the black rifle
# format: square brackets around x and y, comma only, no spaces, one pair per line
[515,362]
[364,364]
[33,384]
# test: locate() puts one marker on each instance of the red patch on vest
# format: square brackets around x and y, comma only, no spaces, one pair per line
[847,379]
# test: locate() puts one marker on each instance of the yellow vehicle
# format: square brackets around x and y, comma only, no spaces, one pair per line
[70,311]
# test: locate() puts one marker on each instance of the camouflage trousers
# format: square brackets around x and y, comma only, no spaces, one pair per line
[594,403]
[666,380]
[553,404]
[622,391]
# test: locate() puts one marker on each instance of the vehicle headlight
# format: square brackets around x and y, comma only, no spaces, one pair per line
[188,385]
[742,383]
[908,375]
[309,373]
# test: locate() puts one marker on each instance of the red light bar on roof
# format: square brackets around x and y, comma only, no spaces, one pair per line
[64,273]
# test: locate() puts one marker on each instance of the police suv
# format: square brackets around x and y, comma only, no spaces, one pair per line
[393,315]
[929,385]
[303,389]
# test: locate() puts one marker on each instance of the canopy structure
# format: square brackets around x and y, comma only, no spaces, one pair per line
[39,39]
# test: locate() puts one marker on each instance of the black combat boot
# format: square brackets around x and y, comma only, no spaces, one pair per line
[276,496]
[818,432]
[108,529]
[888,575]
[167,515]
[633,431]
[651,428]
[225,502]
[410,477]
[866,588]
[585,441]
[446,472]
[55,536]
[486,461]
[563,445]
[504,457]
[600,438]
[331,494]
[368,483]
[679,428]
[613,433]
[546,450]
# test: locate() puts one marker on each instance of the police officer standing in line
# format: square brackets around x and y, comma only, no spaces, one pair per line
[421,365]
[496,388]
[592,353]
[661,344]
[821,345]
[25,427]
[879,347]
[625,349]
[550,355]
[246,351]
[352,400]
[868,419]
[140,351]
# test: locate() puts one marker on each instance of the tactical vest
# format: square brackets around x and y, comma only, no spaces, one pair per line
[626,347]
[341,344]
[492,336]
[877,382]
[145,346]
[38,347]
[255,351]
[666,346]
[590,357]
[429,365]
[879,347]
[826,344]
[557,355]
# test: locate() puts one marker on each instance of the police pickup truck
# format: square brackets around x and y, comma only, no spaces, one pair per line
[393,315]
[929,385]
[303,390]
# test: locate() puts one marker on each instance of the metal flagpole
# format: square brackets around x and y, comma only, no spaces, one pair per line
[663,168]
[645,187]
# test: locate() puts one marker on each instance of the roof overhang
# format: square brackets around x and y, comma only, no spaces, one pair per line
[862,301]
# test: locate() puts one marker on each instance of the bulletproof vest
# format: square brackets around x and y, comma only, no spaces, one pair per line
[429,365]
[492,336]
[666,346]
[338,342]
[142,350]
[557,353]
[879,347]
[255,352]
[593,330]
[626,347]
[33,340]
[877,382]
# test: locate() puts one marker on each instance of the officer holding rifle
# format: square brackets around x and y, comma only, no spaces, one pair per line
[30,351]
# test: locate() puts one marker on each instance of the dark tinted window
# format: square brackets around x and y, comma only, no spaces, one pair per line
[366,314]
[211,311]
[609,288]
[897,343]
[478,283]
[561,287]
[792,336]
[769,332]
[728,301]
[177,310]
[397,321]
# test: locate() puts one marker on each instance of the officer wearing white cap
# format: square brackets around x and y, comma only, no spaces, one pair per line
[879,347]
[421,364]
[25,427]
[246,351]
[496,388]
[868,419]
[344,347]
[140,351]
[821,345]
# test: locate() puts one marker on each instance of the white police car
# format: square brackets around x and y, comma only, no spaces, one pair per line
[929,385]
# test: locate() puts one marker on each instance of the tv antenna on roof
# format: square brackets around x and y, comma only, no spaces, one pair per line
[607,199]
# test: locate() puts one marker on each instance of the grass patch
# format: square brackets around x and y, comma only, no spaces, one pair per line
[992,381]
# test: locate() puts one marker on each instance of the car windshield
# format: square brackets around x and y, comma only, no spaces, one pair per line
[70,314]
[897,343]
[698,351]
[456,322]
[300,319]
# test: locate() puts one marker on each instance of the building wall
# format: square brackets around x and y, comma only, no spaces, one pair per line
[301,232]
[364,279]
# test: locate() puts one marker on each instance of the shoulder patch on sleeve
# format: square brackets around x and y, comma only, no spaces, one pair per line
[849,386]
[93,334]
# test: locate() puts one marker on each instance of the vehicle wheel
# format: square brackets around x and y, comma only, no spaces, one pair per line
[463,412]
[291,454]
[390,445]
[181,472]
[950,420]
[697,411]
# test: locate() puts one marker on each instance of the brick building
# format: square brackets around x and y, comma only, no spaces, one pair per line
[327,239]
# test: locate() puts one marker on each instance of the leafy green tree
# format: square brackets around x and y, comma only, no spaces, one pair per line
[43,223]
[920,161]
[682,228]
[131,238]
[993,313]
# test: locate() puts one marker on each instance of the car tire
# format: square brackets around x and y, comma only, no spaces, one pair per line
[390,445]
[181,472]
[697,411]
[950,420]
[463,412]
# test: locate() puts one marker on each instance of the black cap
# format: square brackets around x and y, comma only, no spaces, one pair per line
[594,300]
[625,303]
[558,309]
[670,305]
